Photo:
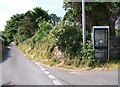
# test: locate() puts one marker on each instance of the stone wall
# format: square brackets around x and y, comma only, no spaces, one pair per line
[114,47]
[2,48]
[0,51]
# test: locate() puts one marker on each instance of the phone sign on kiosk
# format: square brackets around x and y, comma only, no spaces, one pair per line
[100,38]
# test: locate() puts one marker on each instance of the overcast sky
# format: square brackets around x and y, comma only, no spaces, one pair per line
[11,7]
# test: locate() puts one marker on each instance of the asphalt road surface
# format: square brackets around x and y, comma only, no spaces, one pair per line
[18,70]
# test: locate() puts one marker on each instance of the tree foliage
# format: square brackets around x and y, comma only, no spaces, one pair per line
[39,13]
[26,28]
[99,13]
[11,27]
[54,19]
[23,26]
[67,38]
[44,28]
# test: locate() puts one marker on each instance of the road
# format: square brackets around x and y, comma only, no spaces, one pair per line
[18,70]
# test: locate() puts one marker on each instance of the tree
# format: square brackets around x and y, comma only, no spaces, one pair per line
[23,26]
[54,19]
[73,12]
[1,35]
[11,27]
[26,28]
[39,13]
[99,13]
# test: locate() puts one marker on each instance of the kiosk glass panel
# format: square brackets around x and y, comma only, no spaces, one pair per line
[100,42]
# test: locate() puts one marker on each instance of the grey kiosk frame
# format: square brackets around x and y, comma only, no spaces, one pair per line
[100,38]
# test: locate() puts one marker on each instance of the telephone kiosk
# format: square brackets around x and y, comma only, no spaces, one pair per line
[100,39]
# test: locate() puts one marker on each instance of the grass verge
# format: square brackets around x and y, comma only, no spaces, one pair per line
[40,55]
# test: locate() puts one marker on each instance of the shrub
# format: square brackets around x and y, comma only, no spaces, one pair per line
[44,28]
[118,32]
[62,44]
[88,54]
[68,38]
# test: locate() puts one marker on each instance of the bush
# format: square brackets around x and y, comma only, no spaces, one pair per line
[118,32]
[62,44]
[44,28]
[68,38]
[88,54]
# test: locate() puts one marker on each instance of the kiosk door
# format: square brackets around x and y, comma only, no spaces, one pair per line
[101,42]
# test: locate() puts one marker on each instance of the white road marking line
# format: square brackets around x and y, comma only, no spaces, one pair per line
[36,63]
[56,82]
[43,69]
[51,76]
[39,65]
[46,72]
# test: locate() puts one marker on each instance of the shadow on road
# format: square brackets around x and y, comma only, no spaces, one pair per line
[6,54]
[9,84]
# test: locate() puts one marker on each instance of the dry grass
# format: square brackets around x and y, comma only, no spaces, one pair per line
[39,53]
